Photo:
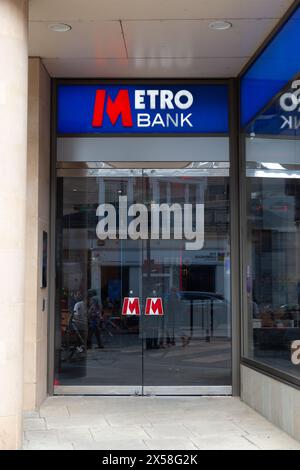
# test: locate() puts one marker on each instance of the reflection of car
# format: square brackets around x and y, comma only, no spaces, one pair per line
[277,329]
[289,308]
[291,313]
[201,296]
[210,310]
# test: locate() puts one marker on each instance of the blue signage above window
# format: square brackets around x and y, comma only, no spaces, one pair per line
[142,109]
[278,63]
[282,117]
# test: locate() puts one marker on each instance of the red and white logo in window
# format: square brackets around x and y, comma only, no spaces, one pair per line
[154,306]
[131,306]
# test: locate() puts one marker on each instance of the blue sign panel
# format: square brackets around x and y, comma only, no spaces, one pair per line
[273,69]
[282,117]
[142,109]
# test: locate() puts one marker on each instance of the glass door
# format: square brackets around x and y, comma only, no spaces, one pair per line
[98,267]
[186,264]
[143,281]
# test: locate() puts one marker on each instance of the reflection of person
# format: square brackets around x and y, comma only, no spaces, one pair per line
[176,319]
[109,305]
[267,316]
[94,323]
[153,329]
[92,294]
[79,311]
[255,308]
[79,319]
[72,301]
[107,323]
[172,307]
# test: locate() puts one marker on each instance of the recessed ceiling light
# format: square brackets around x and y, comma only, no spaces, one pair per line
[220,25]
[60,27]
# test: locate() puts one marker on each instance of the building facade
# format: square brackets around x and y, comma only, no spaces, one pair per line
[150,218]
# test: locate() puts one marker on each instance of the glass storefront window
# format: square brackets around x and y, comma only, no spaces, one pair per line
[272,241]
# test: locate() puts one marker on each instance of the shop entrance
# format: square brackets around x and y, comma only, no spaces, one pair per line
[143,281]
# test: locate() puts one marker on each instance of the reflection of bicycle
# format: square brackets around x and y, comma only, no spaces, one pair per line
[73,344]
[108,326]
[162,347]
[72,353]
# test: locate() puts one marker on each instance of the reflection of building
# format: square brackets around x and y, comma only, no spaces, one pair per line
[114,267]
[274,236]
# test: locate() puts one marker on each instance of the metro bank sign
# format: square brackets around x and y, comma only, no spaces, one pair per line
[142,109]
[152,99]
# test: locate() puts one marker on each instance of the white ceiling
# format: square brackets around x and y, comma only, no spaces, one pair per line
[149,38]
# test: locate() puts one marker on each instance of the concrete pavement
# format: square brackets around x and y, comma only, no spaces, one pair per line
[158,423]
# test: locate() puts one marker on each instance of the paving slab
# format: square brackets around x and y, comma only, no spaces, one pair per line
[166,431]
[170,444]
[75,435]
[32,424]
[124,444]
[42,437]
[64,422]
[224,442]
[110,434]
[56,410]
[31,414]
[47,446]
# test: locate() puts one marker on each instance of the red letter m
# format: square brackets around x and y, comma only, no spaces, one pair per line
[120,106]
[154,306]
[131,306]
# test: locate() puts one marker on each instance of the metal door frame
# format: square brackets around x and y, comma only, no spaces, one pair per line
[124,390]
[104,169]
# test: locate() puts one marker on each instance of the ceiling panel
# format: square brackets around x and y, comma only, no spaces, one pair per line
[194,38]
[145,68]
[149,38]
[68,10]
[100,39]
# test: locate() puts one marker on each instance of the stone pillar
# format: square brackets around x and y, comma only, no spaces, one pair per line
[37,221]
[13,143]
